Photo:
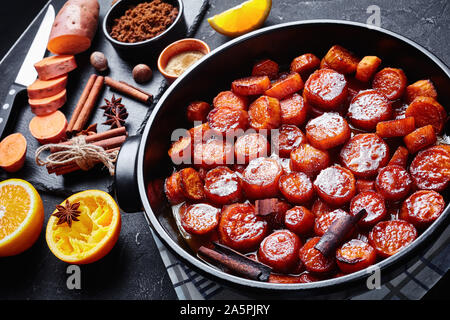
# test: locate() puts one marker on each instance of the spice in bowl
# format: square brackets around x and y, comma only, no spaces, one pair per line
[179,56]
[143,21]
[180,62]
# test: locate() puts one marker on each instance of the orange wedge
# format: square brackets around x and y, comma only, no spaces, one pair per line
[241,19]
[92,236]
[21,216]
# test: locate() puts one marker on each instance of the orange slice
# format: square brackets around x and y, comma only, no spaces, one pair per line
[241,19]
[21,216]
[90,238]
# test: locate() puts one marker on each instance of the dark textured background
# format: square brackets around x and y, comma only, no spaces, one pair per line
[133,270]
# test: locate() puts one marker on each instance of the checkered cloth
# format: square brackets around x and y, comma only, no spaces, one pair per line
[413,282]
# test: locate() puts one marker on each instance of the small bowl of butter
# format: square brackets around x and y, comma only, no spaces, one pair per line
[179,56]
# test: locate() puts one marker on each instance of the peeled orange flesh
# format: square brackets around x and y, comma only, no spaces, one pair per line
[241,19]
[21,216]
[90,238]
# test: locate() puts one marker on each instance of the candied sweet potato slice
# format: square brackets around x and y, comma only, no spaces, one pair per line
[265,113]
[212,153]
[261,177]
[340,59]
[279,250]
[422,208]
[293,110]
[323,223]
[425,111]
[289,138]
[389,237]
[395,128]
[364,154]
[313,259]
[367,67]
[391,82]
[327,131]
[250,146]
[335,185]
[368,108]
[420,138]
[296,187]
[374,205]
[309,160]
[173,190]
[326,89]
[224,120]
[266,67]
[355,255]
[299,220]
[421,88]
[200,218]
[181,150]
[400,157]
[251,85]
[430,169]
[198,111]
[305,64]
[240,228]
[191,184]
[365,185]
[228,99]
[222,186]
[285,86]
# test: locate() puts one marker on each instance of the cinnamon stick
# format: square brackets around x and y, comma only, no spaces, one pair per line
[235,262]
[337,233]
[122,131]
[265,207]
[71,167]
[81,102]
[89,105]
[128,90]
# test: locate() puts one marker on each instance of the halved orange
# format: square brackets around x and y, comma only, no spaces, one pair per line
[241,19]
[90,238]
[21,216]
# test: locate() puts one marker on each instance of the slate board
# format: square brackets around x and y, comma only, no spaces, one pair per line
[119,69]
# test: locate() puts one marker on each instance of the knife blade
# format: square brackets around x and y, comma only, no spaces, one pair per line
[27,73]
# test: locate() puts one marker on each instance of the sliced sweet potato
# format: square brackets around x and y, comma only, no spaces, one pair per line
[191,184]
[391,82]
[251,85]
[400,157]
[305,64]
[181,150]
[74,27]
[265,113]
[55,66]
[421,88]
[228,99]
[42,107]
[294,110]
[420,138]
[395,128]
[341,60]
[50,128]
[40,89]
[265,67]
[425,111]
[285,86]
[198,111]
[12,152]
[367,67]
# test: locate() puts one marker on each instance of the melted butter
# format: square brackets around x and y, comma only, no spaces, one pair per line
[180,62]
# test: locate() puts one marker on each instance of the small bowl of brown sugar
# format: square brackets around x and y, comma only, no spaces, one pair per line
[137,29]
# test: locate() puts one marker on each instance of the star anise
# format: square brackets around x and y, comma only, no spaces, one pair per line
[115,112]
[112,104]
[67,213]
[92,129]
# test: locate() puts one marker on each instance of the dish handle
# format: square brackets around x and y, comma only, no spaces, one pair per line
[125,177]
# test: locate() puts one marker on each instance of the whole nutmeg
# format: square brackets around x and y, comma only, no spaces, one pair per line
[142,73]
[99,61]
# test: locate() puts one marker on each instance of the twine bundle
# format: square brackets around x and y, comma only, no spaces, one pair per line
[83,154]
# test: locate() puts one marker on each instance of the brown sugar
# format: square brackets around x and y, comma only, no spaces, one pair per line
[143,21]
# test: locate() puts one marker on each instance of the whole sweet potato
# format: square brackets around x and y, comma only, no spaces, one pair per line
[74,27]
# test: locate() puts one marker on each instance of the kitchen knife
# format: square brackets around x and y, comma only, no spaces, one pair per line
[27,74]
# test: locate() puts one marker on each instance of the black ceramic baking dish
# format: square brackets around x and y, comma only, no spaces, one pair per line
[144,158]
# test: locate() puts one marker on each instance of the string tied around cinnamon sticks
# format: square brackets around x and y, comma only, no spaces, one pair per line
[85,155]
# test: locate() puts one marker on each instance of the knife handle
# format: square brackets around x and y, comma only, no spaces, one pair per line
[8,104]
